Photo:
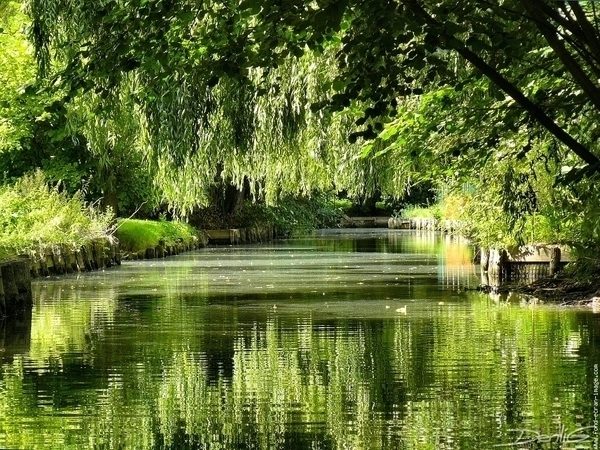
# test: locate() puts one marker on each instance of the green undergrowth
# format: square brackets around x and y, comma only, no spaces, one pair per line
[419,212]
[135,235]
[294,216]
[342,204]
[32,214]
[487,225]
[291,216]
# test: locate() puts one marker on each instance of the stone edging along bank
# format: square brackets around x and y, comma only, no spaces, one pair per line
[16,273]
[105,252]
[97,254]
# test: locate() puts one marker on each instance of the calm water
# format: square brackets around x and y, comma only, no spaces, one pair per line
[342,341]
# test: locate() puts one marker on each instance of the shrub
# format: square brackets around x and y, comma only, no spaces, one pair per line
[418,212]
[32,213]
[295,215]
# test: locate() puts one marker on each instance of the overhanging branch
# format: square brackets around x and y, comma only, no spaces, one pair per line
[506,86]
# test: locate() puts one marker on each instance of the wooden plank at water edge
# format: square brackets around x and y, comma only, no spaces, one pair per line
[364,222]
[218,235]
[224,236]
[381,222]
[396,223]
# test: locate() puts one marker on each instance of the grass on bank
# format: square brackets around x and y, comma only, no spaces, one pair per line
[136,235]
[34,214]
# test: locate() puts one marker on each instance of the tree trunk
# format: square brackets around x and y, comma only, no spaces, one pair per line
[369,204]
[111,200]
[227,199]
[234,199]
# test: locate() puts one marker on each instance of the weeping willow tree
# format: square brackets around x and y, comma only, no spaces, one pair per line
[222,84]
[261,130]
[178,90]
[112,134]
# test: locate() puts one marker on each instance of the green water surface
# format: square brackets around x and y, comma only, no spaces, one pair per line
[346,340]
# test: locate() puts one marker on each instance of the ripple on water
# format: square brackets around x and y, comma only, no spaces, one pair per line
[335,341]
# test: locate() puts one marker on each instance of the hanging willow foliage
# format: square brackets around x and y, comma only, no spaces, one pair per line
[203,97]
[265,131]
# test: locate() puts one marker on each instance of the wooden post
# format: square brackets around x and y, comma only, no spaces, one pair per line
[554,261]
[504,273]
[117,252]
[114,253]
[485,280]
[22,274]
[85,258]
[68,256]
[484,256]
[496,265]
[98,252]
[10,287]
[58,260]
[15,286]
[49,263]
[2,297]
[35,265]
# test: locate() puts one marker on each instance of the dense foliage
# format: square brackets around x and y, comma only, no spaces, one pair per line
[34,216]
[38,131]
[293,215]
[161,103]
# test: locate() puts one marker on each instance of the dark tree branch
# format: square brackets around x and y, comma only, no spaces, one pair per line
[550,33]
[509,88]
[591,34]
[581,38]
[583,52]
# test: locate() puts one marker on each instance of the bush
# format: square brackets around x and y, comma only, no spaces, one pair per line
[295,215]
[418,212]
[291,216]
[32,214]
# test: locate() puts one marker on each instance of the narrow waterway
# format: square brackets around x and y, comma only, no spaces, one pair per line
[346,340]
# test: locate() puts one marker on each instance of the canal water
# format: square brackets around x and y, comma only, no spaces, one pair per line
[371,339]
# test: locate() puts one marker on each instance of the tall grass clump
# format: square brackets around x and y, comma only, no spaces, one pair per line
[34,214]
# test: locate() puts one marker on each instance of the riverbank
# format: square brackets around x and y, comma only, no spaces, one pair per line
[133,240]
[38,219]
[543,264]
[562,290]
[140,239]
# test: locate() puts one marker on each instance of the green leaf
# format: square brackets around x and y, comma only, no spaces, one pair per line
[338,85]
[366,150]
